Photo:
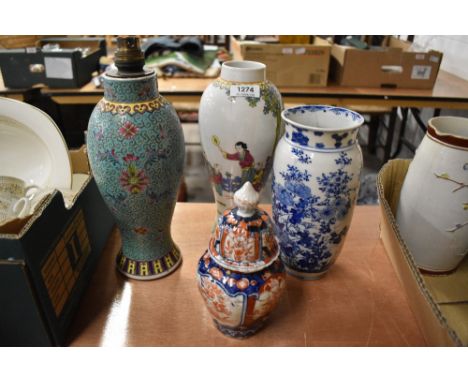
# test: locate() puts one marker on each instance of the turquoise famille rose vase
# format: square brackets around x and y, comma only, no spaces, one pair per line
[136,152]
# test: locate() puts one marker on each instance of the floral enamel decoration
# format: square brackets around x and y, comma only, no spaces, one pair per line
[128,130]
[141,230]
[136,152]
[133,179]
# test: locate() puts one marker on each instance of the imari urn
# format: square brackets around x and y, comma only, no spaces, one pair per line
[240,276]
[240,125]
[316,175]
[136,152]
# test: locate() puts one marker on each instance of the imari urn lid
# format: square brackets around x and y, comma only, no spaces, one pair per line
[244,239]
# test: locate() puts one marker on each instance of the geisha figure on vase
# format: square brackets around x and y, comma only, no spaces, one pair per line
[227,182]
[246,161]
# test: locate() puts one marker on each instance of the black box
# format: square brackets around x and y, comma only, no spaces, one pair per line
[45,268]
[71,66]
[22,68]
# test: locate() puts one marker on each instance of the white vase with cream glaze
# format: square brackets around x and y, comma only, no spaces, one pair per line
[240,125]
[432,213]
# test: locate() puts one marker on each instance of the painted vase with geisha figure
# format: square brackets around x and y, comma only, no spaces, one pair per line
[240,276]
[136,152]
[240,125]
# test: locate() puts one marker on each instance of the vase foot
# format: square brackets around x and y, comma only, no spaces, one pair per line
[238,332]
[431,272]
[306,275]
[149,269]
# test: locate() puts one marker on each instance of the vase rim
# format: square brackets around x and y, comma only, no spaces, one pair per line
[243,71]
[449,127]
[358,119]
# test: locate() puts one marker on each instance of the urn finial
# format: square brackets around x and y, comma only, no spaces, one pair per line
[246,199]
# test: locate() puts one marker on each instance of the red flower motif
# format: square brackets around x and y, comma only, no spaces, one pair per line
[128,130]
[134,180]
[141,230]
[130,158]
[144,92]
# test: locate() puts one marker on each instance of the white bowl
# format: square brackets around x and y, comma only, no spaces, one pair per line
[32,147]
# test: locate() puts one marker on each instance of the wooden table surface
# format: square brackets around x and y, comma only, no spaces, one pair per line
[450,92]
[359,303]
[447,86]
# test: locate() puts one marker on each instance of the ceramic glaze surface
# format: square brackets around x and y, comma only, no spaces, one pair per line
[32,147]
[240,303]
[315,184]
[432,213]
[239,133]
[244,244]
[16,199]
[136,152]
[240,276]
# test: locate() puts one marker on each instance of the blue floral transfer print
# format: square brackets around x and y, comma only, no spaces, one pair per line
[312,139]
[339,138]
[306,223]
[301,155]
[299,137]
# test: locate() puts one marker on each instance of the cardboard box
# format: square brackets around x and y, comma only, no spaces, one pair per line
[300,65]
[394,66]
[18,41]
[439,302]
[47,260]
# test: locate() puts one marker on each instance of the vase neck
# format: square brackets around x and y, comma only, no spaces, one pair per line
[130,90]
[321,127]
[321,140]
[243,71]
[449,131]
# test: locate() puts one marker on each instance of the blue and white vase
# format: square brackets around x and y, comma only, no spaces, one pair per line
[240,276]
[240,126]
[136,152]
[316,172]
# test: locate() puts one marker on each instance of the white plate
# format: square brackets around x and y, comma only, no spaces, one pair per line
[32,147]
